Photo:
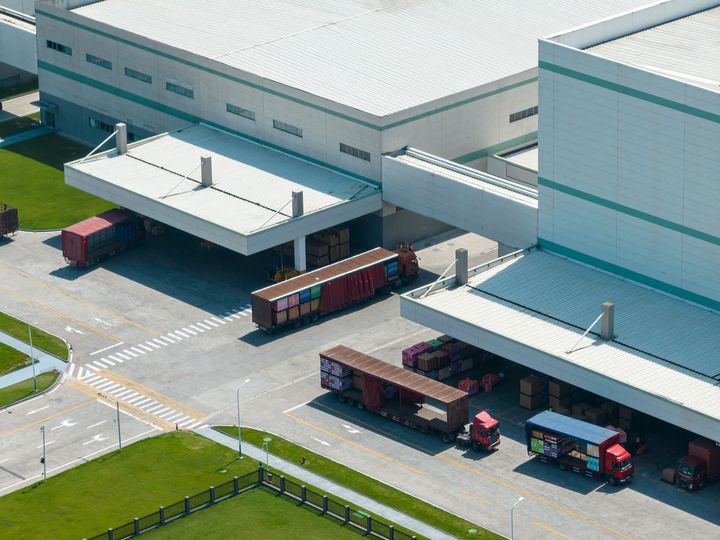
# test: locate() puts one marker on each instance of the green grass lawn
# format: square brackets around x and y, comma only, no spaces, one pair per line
[361,483]
[31,179]
[41,340]
[8,92]
[11,394]
[18,125]
[258,513]
[11,359]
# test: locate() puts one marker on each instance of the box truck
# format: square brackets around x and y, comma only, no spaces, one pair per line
[102,236]
[700,467]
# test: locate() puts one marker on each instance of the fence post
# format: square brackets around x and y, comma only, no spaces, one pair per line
[282,484]
[303,494]
[162,515]
[347,513]
[236,485]
[325,504]
[368,526]
[136,526]
[391,532]
[212,494]
[110,534]
[261,474]
[187,505]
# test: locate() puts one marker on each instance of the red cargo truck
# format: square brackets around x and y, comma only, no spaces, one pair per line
[578,446]
[8,219]
[406,397]
[700,467]
[101,236]
[304,298]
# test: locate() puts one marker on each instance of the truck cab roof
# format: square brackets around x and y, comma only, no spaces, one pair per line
[485,420]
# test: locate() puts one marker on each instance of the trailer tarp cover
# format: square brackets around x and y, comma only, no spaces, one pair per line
[571,427]
[392,374]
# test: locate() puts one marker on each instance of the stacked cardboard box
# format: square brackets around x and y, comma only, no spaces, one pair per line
[410,355]
[316,253]
[335,376]
[559,394]
[533,392]
[337,240]
[595,415]
[625,417]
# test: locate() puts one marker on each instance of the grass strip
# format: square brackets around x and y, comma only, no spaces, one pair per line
[20,89]
[41,339]
[412,506]
[258,513]
[11,359]
[16,392]
[32,181]
[18,125]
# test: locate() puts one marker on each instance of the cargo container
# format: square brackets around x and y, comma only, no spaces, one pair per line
[305,297]
[700,467]
[8,219]
[101,236]
[406,397]
[578,446]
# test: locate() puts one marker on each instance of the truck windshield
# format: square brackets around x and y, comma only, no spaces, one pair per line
[685,469]
[624,465]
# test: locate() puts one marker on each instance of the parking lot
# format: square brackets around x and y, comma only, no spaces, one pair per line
[165,330]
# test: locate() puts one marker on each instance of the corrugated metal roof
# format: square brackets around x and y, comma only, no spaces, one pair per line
[252,184]
[547,302]
[377,56]
[97,223]
[687,49]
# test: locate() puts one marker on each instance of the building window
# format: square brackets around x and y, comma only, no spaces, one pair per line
[234,109]
[287,128]
[180,88]
[59,47]
[99,124]
[107,64]
[138,75]
[362,154]
[532,111]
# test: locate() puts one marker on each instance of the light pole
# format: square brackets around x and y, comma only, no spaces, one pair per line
[512,529]
[117,421]
[266,445]
[238,419]
[42,460]
[32,358]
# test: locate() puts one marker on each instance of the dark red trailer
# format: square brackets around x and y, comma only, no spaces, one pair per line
[305,297]
[101,236]
[8,219]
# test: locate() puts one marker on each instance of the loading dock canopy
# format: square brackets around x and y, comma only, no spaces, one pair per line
[247,208]
[402,378]
[533,307]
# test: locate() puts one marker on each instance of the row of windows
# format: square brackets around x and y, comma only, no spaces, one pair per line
[109,128]
[107,64]
[180,89]
[287,128]
[139,75]
[362,154]
[532,111]
[54,45]
[234,109]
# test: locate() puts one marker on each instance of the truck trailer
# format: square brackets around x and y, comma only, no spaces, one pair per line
[406,397]
[700,467]
[581,447]
[8,220]
[102,236]
[306,297]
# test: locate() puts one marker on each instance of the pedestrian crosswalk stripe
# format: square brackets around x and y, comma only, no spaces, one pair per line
[179,333]
[153,344]
[218,320]
[189,331]
[71,369]
[141,402]
[176,418]
[123,356]
[123,394]
[197,328]
[130,396]
[205,326]
[115,359]
[92,367]
[194,424]
[146,406]
[130,353]
[158,341]
[171,338]
[100,363]
[103,386]
[107,361]
[145,347]
[167,414]
[93,379]
[137,350]
[135,399]
[208,321]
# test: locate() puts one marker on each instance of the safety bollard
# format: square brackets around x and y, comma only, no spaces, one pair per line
[303,494]
[368,526]
[282,484]
[236,485]
[136,526]
[391,532]
[347,514]
[325,504]
[187,505]
[212,494]
[110,534]
[162,515]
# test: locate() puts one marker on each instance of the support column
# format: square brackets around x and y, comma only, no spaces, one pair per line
[121,137]
[461,266]
[608,321]
[299,243]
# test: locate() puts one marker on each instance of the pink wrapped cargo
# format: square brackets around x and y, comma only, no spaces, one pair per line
[410,355]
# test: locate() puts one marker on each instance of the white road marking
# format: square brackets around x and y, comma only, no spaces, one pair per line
[155,408]
[189,331]
[115,358]
[178,332]
[243,313]
[70,370]
[235,316]
[130,396]
[176,417]
[96,438]
[88,375]
[167,414]
[129,353]
[74,330]
[161,411]
[92,367]
[161,343]
[105,323]
[148,349]
[197,328]
[106,348]
[201,325]
[64,423]
[137,350]
[123,394]
[4,460]
[146,400]
[135,399]
[92,379]
[48,443]
[168,339]
[194,424]
[38,410]
[228,318]
[106,385]
[218,320]
[153,344]
[321,442]
[96,425]
[295,407]
[80,374]
[99,364]
[146,406]
[117,391]
[121,355]
[185,423]
[99,380]
[350,429]
[106,361]
[208,321]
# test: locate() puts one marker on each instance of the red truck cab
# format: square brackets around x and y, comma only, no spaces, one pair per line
[485,431]
[691,473]
[618,465]
[407,261]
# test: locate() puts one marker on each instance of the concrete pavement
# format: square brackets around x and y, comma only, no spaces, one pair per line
[19,106]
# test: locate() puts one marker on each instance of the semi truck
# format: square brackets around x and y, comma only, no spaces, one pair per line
[578,446]
[306,297]
[8,220]
[406,397]
[700,467]
[102,236]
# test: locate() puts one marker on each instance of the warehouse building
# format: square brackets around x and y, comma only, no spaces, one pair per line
[334,83]
[627,214]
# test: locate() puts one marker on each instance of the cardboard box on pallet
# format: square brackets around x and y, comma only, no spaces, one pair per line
[595,415]
[318,261]
[531,385]
[315,248]
[562,410]
[305,308]
[531,402]
[558,388]
[610,408]
[293,313]
[334,252]
[315,304]
[558,402]
[625,412]
[580,408]
[279,317]
[443,373]
[467,364]
[345,250]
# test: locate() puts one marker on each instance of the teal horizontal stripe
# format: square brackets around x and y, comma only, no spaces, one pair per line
[630,274]
[477,154]
[645,96]
[667,224]
[124,94]
[275,92]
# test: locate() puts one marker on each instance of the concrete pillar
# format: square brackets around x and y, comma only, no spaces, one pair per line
[297,204]
[608,321]
[206,171]
[461,266]
[121,138]
[299,243]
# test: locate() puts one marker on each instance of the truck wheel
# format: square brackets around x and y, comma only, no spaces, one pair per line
[314,317]
[447,438]
[359,405]
[613,481]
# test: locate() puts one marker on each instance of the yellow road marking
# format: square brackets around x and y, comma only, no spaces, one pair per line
[131,384]
[476,497]
[81,300]
[353,443]
[45,419]
[549,529]
[58,313]
[516,489]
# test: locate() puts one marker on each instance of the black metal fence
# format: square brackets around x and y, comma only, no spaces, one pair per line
[344,514]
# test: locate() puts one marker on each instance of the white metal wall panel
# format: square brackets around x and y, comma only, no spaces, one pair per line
[17,44]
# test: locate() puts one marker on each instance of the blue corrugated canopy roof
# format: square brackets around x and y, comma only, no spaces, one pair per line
[571,427]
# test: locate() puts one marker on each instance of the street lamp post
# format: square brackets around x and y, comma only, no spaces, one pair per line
[42,430]
[240,456]
[32,359]
[512,528]
[117,420]
[266,445]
